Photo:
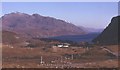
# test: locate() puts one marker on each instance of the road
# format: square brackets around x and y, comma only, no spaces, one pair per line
[115,54]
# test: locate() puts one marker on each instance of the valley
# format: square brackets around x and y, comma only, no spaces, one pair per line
[35,41]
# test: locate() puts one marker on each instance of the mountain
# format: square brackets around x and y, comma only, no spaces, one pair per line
[77,38]
[91,30]
[110,33]
[36,25]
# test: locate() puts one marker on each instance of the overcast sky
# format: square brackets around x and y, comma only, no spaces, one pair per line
[87,14]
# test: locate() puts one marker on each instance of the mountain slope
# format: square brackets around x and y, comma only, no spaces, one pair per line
[38,26]
[110,33]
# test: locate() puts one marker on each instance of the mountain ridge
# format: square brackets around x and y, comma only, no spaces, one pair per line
[38,26]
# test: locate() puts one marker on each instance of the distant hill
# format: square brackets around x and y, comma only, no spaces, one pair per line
[77,38]
[36,25]
[110,33]
[91,30]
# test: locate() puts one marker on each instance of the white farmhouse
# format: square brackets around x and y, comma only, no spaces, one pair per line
[62,45]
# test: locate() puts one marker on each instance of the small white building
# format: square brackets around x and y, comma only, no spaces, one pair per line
[62,45]
[66,44]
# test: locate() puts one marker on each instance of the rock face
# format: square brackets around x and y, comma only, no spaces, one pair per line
[110,34]
[36,25]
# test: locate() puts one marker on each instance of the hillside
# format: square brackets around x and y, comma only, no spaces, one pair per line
[36,25]
[12,39]
[110,33]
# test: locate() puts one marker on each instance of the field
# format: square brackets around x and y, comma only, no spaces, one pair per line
[72,57]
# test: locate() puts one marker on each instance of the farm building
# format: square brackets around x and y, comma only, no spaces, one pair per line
[62,45]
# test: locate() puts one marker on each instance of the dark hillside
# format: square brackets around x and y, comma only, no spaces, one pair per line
[110,34]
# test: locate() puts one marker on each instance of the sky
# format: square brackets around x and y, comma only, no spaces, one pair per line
[60,0]
[88,14]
